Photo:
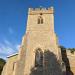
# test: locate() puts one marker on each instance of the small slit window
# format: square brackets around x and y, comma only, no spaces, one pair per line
[14,65]
[40,20]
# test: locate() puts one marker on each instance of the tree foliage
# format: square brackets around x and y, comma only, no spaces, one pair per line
[2,63]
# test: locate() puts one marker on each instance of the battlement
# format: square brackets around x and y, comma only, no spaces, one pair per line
[70,52]
[41,10]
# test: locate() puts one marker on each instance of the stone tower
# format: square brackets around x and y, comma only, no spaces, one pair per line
[40,36]
[39,53]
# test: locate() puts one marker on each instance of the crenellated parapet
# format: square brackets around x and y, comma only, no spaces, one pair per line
[70,53]
[41,10]
[71,60]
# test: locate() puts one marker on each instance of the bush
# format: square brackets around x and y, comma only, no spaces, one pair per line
[2,63]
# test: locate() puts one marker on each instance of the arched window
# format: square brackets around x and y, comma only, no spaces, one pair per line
[40,20]
[38,58]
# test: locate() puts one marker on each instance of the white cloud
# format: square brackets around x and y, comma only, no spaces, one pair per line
[17,47]
[7,42]
[7,48]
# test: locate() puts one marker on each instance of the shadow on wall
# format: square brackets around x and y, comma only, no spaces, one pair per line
[50,66]
[66,61]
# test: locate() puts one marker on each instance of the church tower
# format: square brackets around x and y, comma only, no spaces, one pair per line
[39,38]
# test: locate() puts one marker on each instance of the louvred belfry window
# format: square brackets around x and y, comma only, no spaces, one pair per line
[40,20]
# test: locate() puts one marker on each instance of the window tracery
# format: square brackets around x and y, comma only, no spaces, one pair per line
[38,58]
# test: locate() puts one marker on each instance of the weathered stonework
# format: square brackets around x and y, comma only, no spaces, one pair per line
[37,36]
[71,58]
[9,68]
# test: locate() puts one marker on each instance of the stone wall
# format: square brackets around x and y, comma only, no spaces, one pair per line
[71,57]
[68,58]
[10,65]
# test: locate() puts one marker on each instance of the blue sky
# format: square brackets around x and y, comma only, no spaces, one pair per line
[13,18]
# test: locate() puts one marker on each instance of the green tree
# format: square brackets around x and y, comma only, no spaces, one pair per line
[2,63]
